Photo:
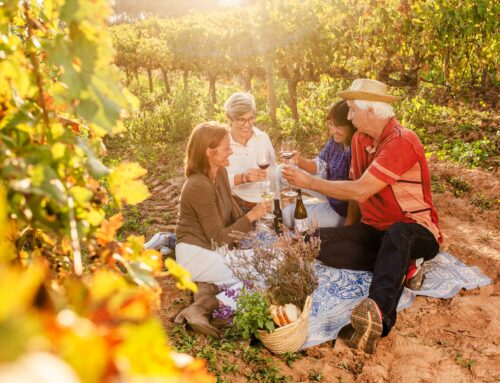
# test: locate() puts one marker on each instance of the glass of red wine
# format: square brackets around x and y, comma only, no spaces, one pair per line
[287,152]
[264,159]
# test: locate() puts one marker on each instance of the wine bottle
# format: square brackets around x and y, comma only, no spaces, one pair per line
[278,216]
[300,214]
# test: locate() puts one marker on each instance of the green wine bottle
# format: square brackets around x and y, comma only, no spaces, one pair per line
[278,216]
[300,214]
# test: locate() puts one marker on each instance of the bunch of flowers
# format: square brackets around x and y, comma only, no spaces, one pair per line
[282,270]
[276,272]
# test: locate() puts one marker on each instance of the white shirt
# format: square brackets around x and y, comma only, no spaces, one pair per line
[244,157]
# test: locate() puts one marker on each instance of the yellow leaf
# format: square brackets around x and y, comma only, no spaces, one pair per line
[182,276]
[107,231]
[26,283]
[106,283]
[58,150]
[125,186]
[95,216]
[7,248]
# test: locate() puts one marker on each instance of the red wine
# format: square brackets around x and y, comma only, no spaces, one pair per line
[264,166]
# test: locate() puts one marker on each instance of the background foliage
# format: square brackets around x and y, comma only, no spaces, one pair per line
[294,56]
[62,294]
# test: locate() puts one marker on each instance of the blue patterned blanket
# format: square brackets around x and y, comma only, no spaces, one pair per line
[340,290]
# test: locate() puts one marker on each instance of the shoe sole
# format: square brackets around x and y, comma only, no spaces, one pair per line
[415,283]
[367,325]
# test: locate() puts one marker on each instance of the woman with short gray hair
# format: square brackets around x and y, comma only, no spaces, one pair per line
[238,104]
[247,141]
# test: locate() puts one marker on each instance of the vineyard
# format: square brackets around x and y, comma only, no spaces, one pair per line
[94,121]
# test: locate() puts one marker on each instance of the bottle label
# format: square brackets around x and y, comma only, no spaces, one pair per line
[301,225]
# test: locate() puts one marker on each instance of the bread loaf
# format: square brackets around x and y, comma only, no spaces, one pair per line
[291,313]
[273,310]
[283,315]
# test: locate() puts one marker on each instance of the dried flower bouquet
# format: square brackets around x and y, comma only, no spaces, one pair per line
[283,270]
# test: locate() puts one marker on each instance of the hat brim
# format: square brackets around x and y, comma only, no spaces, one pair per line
[367,96]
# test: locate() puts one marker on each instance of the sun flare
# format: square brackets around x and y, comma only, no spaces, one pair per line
[230,3]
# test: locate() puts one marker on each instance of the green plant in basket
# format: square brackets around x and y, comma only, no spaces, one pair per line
[252,314]
[281,273]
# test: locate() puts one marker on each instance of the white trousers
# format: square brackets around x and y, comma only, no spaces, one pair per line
[204,265]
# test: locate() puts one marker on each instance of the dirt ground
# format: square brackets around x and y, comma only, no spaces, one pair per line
[435,340]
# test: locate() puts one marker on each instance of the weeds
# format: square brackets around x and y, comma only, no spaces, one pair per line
[183,340]
[460,186]
[316,376]
[481,201]
[291,357]
[437,185]
[465,363]
[133,223]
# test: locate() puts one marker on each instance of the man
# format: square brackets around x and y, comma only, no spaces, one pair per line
[390,188]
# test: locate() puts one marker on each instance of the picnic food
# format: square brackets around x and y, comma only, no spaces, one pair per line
[283,315]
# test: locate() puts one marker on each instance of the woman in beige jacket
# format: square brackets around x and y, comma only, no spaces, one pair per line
[208,216]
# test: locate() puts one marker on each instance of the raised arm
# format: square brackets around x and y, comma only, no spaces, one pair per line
[359,190]
[310,166]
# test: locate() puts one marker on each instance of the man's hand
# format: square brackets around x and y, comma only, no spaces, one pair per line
[297,177]
[254,175]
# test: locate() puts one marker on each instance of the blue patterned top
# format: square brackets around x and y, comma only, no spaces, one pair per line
[333,164]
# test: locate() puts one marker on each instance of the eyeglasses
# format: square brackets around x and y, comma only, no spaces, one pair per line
[244,121]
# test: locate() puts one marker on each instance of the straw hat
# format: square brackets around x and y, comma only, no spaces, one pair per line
[368,90]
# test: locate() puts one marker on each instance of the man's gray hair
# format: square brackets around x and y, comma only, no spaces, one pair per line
[238,104]
[380,109]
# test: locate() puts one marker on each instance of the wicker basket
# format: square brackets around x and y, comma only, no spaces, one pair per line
[288,338]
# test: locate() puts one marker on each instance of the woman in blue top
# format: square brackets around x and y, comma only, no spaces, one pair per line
[332,163]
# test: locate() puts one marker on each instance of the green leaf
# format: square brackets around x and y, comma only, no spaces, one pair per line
[269,326]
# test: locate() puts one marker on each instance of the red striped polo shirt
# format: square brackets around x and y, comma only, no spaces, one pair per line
[399,161]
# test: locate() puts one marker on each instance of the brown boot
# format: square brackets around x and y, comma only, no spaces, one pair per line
[199,313]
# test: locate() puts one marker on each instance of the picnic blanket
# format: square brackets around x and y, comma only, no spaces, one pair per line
[339,291]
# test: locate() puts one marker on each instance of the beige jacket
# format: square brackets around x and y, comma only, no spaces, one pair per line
[208,212]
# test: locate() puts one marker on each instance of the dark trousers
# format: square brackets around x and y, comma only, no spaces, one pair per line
[386,253]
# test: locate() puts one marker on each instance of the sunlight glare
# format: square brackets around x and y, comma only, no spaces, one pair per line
[230,3]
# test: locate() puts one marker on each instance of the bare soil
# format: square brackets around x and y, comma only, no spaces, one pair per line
[435,340]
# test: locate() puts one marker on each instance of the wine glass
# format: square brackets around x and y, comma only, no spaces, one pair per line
[288,150]
[264,159]
[266,194]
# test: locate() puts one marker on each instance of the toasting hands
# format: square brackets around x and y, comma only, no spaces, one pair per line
[297,177]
